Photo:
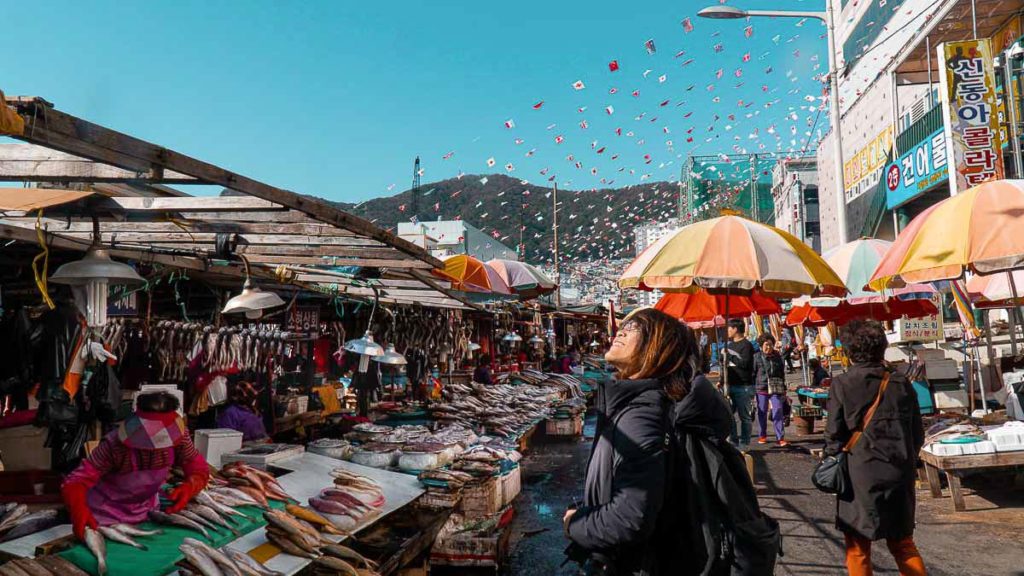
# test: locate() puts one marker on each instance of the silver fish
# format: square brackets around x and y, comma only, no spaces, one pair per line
[114,535]
[199,520]
[94,542]
[226,564]
[249,565]
[135,531]
[177,520]
[31,523]
[12,517]
[236,494]
[226,511]
[211,515]
[200,561]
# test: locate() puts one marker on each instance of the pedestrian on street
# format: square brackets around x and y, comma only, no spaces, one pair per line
[882,460]
[788,346]
[770,384]
[740,365]
[614,531]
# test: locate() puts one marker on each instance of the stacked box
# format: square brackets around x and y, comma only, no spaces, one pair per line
[511,485]
[481,499]
[564,427]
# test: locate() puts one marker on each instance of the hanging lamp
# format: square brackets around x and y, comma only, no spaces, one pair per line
[252,301]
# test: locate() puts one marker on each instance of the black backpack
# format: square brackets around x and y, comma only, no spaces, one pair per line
[713,525]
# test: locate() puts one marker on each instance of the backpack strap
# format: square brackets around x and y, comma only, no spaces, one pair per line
[855,437]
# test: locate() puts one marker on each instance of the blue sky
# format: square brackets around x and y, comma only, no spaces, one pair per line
[337,98]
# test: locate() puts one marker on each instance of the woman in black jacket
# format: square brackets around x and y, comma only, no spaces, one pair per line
[882,463]
[655,357]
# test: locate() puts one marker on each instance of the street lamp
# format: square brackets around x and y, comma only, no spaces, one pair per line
[733,13]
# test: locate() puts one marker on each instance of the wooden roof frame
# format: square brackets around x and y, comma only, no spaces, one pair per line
[140,218]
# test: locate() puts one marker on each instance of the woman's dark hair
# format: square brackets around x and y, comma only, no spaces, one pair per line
[484,360]
[160,402]
[739,325]
[666,349]
[766,337]
[813,364]
[864,341]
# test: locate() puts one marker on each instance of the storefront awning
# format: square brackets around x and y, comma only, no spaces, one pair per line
[997,19]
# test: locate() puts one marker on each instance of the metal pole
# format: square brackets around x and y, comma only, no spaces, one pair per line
[974,20]
[558,274]
[1011,105]
[1013,315]
[753,189]
[928,51]
[837,132]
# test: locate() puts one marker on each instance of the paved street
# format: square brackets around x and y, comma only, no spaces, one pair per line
[984,540]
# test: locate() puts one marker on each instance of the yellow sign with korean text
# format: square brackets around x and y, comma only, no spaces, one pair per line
[861,172]
[970,113]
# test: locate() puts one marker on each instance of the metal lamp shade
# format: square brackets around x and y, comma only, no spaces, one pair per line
[391,356]
[473,346]
[96,265]
[251,300]
[364,346]
[536,340]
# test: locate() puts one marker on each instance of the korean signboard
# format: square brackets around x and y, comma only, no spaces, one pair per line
[861,173]
[304,319]
[917,170]
[970,114]
[926,329]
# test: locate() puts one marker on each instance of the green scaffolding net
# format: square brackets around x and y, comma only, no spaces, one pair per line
[722,183]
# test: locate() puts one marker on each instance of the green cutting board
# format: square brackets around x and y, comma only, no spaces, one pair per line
[163,553]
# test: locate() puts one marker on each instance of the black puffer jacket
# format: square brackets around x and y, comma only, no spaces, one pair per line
[625,483]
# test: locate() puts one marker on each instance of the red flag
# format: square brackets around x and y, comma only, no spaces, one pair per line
[687,25]
[613,65]
[538,105]
[748,31]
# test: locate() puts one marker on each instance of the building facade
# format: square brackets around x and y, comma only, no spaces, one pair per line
[450,237]
[643,236]
[795,193]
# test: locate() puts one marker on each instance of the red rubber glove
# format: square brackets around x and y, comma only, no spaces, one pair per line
[185,492]
[74,495]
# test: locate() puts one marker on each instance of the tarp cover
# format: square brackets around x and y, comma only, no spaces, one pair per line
[25,199]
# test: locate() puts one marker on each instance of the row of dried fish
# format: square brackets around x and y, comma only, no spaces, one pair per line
[16,521]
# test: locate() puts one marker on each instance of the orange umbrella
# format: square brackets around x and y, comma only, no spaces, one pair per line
[807,314]
[703,306]
[471,275]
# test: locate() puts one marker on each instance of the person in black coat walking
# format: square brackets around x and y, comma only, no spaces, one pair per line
[882,463]
[613,532]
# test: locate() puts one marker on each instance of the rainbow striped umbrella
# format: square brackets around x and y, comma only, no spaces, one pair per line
[856,261]
[981,230]
[995,290]
[732,253]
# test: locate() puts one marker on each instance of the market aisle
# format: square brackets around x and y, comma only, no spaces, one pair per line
[554,472]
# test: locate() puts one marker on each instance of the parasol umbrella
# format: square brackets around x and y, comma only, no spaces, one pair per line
[732,254]
[525,280]
[467,274]
[807,314]
[995,291]
[703,306]
[979,231]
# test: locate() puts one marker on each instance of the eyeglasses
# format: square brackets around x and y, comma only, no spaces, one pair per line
[630,328]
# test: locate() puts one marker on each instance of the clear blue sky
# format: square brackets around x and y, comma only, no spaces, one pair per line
[336,98]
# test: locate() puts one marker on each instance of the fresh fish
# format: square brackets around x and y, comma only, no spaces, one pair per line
[286,545]
[248,564]
[199,520]
[313,518]
[94,542]
[114,535]
[237,494]
[200,561]
[227,565]
[12,517]
[339,495]
[31,523]
[346,553]
[6,507]
[333,507]
[206,499]
[177,520]
[255,495]
[130,530]
[337,565]
[211,515]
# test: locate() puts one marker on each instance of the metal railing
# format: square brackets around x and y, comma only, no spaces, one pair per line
[918,131]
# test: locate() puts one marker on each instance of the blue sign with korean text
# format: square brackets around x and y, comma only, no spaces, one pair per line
[917,170]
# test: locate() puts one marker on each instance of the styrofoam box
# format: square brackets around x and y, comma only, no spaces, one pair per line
[169,388]
[946,449]
[983,447]
[215,442]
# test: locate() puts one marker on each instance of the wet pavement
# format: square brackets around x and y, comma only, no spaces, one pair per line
[985,540]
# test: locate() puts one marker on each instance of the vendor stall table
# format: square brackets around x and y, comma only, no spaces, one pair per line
[954,466]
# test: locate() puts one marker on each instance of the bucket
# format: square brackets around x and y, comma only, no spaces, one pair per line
[803,425]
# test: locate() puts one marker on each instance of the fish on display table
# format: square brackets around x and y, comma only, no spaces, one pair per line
[248,565]
[30,524]
[114,535]
[95,543]
[177,520]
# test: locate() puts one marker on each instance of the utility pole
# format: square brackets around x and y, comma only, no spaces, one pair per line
[753,187]
[521,249]
[414,202]
[554,216]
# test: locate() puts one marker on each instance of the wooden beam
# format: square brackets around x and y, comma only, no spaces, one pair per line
[189,204]
[210,238]
[310,229]
[50,127]
[365,262]
[33,163]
